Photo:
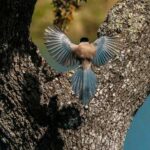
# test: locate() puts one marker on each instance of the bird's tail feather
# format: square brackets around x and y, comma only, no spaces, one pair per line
[84,84]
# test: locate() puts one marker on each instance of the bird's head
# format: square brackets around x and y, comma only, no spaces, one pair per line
[84,39]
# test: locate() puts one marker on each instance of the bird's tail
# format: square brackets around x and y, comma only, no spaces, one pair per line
[84,84]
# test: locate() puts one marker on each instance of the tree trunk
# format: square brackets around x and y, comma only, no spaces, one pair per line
[37,108]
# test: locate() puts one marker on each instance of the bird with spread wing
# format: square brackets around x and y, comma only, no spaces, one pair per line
[82,55]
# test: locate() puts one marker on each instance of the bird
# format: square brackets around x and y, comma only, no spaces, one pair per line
[81,57]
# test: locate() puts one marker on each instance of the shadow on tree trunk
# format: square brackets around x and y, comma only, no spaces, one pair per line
[48,116]
[3,146]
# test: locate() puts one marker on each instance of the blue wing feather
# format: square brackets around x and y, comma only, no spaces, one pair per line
[59,47]
[106,48]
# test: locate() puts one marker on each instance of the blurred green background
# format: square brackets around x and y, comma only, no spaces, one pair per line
[86,21]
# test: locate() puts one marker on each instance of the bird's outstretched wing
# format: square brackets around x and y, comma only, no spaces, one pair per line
[60,47]
[106,48]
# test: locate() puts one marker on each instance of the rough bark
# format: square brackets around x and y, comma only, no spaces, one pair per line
[37,108]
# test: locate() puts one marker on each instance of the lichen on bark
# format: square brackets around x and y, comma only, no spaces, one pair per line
[37,108]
